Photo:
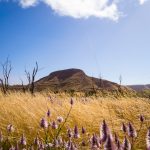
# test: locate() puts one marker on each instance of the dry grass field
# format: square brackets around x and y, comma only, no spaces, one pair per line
[24,112]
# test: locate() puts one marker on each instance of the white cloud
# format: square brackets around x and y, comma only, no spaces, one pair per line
[142,2]
[80,8]
[28,3]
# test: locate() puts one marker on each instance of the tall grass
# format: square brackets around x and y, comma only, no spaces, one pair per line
[25,112]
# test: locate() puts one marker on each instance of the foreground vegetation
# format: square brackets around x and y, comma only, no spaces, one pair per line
[50,121]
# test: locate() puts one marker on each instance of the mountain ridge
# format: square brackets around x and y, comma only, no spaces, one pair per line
[140,87]
[74,79]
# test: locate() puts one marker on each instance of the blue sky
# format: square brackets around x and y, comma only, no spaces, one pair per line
[109,45]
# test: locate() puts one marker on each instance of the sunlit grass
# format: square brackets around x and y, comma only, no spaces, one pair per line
[24,112]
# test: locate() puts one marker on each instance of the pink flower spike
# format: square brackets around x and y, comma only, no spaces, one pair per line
[44,123]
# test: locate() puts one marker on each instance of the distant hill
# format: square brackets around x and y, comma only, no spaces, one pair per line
[139,87]
[73,79]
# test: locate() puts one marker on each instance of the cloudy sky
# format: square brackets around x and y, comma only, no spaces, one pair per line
[107,37]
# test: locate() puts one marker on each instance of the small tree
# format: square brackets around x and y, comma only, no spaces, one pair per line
[28,78]
[120,84]
[23,87]
[6,70]
[101,84]
[120,80]
[31,78]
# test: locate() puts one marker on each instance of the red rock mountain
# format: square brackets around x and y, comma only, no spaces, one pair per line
[73,79]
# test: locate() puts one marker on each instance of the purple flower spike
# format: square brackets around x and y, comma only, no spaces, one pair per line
[36,141]
[48,113]
[148,139]
[109,145]
[83,130]
[124,128]
[44,123]
[142,118]
[76,132]
[56,143]
[117,142]
[104,131]
[41,146]
[69,132]
[23,140]
[71,101]
[126,144]
[95,142]
[54,125]
[131,131]
[72,147]
[116,138]
[60,119]
[10,128]
[83,143]
[60,140]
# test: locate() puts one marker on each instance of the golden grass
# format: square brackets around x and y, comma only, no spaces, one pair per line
[25,112]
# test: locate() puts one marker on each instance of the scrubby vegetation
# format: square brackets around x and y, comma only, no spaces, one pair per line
[56,121]
[144,93]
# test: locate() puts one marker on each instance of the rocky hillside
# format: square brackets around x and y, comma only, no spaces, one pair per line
[74,79]
[140,87]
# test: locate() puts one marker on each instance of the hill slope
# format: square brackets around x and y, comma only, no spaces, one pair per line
[73,79]
[140,87]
